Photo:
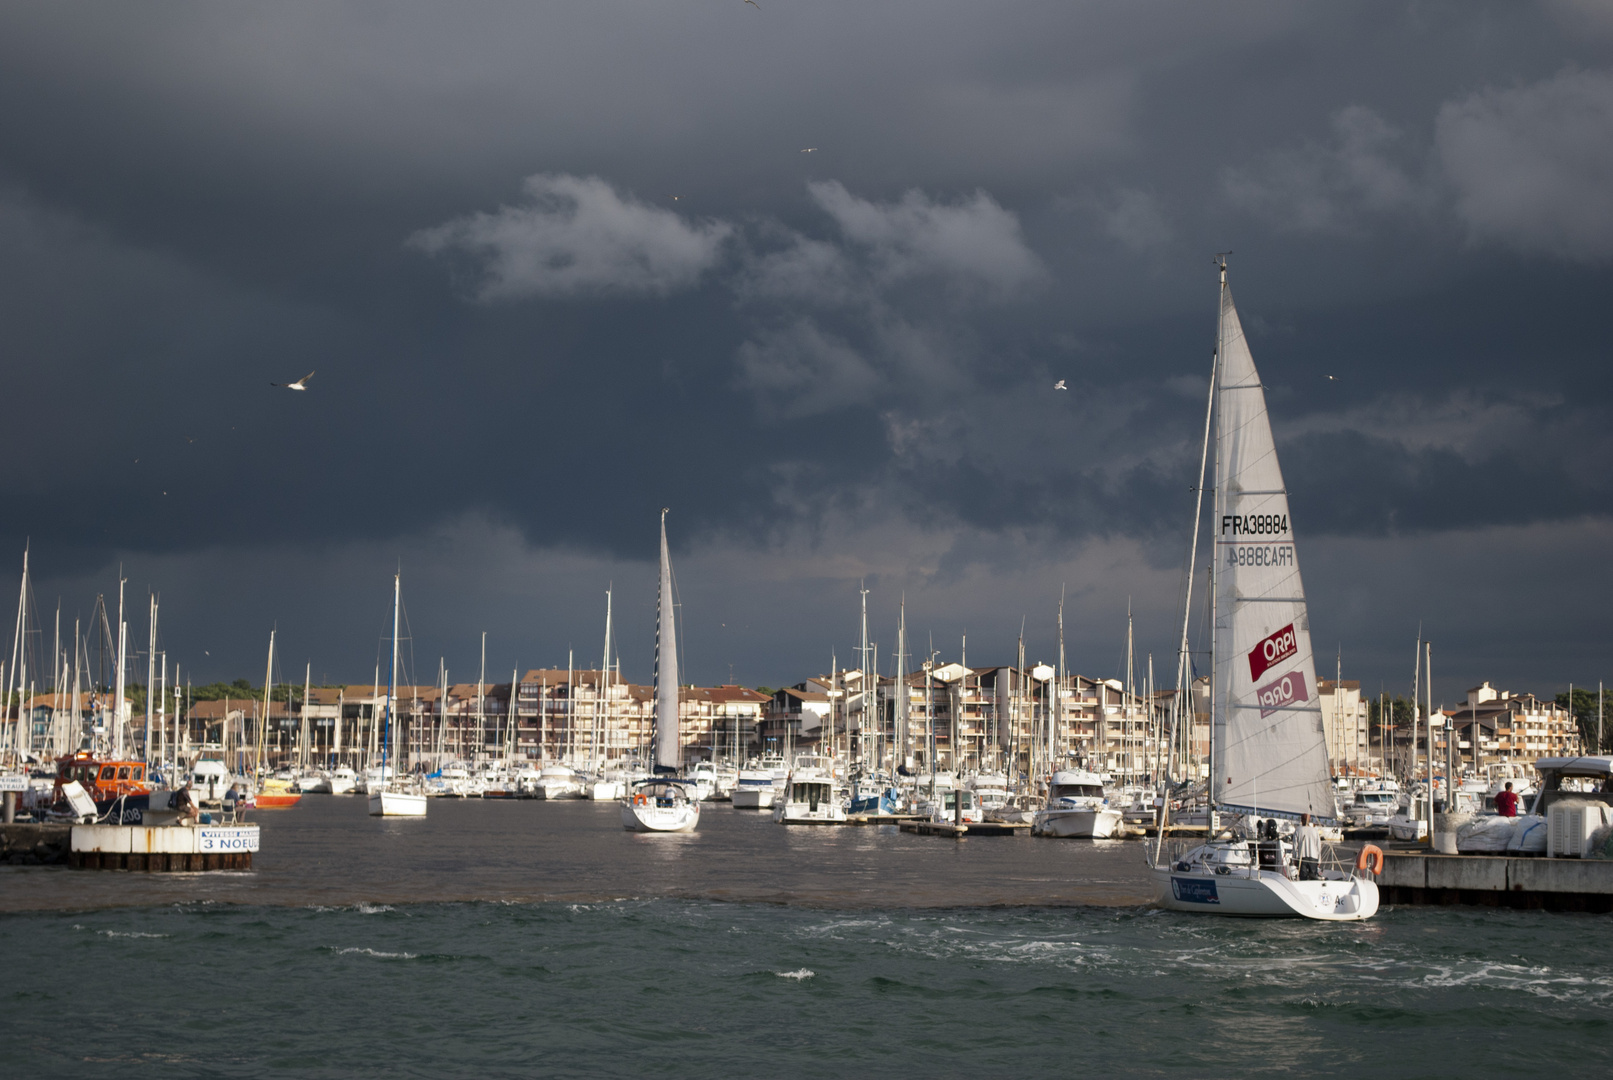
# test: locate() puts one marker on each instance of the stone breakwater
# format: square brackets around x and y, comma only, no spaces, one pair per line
[34,845]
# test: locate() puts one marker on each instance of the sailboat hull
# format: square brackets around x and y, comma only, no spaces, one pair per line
[397,804]
[1265,894]
[648,817]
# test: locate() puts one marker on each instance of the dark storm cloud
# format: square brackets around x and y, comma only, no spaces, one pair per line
[558,266]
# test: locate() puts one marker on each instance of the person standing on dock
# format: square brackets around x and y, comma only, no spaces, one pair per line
[1308,849]
[1506,803]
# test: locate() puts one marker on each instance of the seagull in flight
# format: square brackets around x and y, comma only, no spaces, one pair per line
[300,384]
[1060,385]
[1333,378]
[810,149]
[754,4]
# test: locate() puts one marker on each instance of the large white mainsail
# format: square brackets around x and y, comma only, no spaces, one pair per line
[668,754]
[1270,750]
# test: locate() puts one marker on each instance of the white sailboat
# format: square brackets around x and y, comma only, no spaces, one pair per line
[390,798]
[663,805]
[1268,748]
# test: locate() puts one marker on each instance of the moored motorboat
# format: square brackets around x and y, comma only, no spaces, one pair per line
[809,796]
[1076,808]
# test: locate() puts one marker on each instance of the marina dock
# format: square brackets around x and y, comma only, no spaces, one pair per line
[925,827]
[1423,877]
[163,848]
[24,844]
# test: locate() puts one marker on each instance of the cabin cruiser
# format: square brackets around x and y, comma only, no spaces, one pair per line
[704,777]
[809,796]
[1076,808]
[944,809]
[1372,807]
[343,781]
[314,783]
[557,782]
[661,805]
[755,788]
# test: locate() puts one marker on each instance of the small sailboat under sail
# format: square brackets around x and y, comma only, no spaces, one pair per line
[1268,755]
[664,804]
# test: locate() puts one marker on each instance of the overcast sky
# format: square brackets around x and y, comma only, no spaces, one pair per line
[559,266]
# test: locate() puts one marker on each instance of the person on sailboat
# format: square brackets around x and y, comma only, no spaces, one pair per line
[1308,849]
[1506,803]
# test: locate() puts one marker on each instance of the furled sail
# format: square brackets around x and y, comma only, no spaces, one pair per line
[1270,749]
[667,752]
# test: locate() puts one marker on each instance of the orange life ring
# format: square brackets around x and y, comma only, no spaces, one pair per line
[639,799]
[1370,854]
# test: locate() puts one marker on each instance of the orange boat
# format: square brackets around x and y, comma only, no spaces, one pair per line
[276,794]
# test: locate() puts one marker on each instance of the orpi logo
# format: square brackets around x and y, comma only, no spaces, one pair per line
[1285,691]
[1274,650]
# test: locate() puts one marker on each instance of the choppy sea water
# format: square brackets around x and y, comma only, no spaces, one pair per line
[736,953]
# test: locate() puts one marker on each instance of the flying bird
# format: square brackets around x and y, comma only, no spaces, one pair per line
[1060,385]
[300,384]
[754,4]
[1333,378]
[810,149]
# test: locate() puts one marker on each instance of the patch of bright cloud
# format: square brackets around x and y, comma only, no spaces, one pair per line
[577,236]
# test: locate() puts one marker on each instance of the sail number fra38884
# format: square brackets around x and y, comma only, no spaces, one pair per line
[1260,555]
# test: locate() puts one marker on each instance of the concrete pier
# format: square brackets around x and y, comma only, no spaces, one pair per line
[1497,881]
[163,847]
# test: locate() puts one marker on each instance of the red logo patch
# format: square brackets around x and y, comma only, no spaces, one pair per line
[1288,690]
[1274,650]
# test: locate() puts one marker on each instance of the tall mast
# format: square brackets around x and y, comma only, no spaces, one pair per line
[862,662]
[307,681]
[481,702]
[389,731]
[1058,698]
[117,697]
[151,674]
[602,722]
[900,719]
[1217,717]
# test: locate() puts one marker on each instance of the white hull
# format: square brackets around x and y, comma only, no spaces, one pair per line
[751,798]
[1077,824]
[343,785]
[1408,829]
[827,813]
[648,817]
[606,790]
[314,785]
[1266,894]
[397,804]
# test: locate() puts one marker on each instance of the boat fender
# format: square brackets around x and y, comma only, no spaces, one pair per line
[1370,854]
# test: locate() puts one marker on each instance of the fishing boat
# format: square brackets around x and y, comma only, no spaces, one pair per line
[1076,808]
[389,797]
[1268,753]
[664,804]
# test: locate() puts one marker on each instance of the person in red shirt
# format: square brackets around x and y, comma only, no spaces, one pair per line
[1506,803]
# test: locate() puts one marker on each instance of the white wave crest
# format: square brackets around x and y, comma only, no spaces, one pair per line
[378,954]
[129,934]
[799,973]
